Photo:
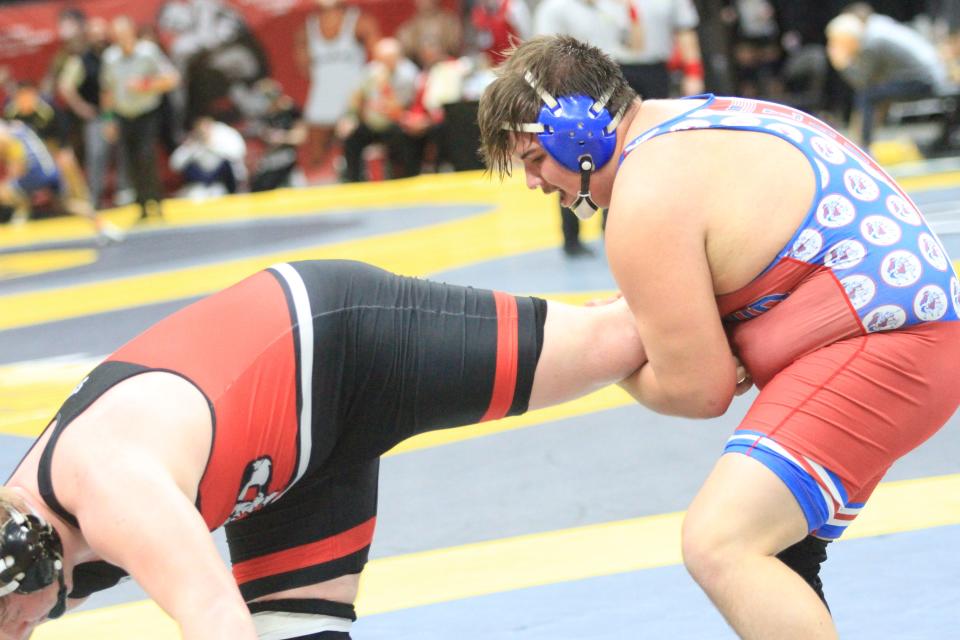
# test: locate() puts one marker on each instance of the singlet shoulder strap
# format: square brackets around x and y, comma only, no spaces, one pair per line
[97,382]
[665,127]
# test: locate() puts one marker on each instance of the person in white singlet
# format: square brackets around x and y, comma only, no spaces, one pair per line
[332,50]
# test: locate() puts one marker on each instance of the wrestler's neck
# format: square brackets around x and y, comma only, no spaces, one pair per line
[650,113]
[643,115]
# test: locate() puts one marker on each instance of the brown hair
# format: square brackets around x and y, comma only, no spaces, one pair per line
[562,66]
[10,501]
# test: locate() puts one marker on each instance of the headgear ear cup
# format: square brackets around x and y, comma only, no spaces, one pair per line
[573,129]
[31,558]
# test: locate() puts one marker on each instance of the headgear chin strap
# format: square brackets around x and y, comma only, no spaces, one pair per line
[579,133]
[31,558]
[584,207]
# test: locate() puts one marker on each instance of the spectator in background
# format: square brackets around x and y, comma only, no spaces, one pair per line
[613,26]
[496,24]
[331,50]
[211,159]
[28,168]
[28,106]
[8,85]
[669,27]
[172,117]
[79,86]
[946,22]
[134,78]
[756,47]
[217,54]
[882,60]
[71,25]
[431,22]
[376,109]
[810,83]
[282,129]
[438,83]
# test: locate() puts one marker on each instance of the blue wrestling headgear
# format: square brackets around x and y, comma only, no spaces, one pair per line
[31,558]
[579,133]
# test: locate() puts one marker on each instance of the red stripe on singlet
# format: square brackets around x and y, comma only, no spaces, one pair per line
[307,555]
[505,378]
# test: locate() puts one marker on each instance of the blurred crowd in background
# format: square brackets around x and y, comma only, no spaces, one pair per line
[194,102]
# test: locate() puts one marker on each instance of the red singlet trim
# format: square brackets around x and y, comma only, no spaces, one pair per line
[307,555]
[505,378]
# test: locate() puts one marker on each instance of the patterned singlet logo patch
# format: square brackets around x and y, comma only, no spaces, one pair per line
[880,230]
[835,211]
[955,294]
[931,250]
[787,130]
[901,268]
[828,150]
[860,289]
[254,486]
[807,245]
[845,254]
[902,210]
[862,186]
[885,318]
[930,303]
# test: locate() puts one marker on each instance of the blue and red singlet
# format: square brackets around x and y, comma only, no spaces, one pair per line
[851,331]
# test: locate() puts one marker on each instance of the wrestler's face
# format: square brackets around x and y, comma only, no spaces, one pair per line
[543,172]
[21,613]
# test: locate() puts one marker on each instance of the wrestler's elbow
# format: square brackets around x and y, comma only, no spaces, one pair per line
[686,396]
[706,405]
[697,401]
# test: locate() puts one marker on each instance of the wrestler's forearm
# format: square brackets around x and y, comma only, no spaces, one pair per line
[585,349]
[225,621]
[674,400]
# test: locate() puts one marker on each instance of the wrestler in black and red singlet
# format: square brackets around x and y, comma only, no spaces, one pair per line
[312,370]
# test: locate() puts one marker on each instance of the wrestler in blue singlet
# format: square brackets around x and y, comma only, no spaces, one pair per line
[861,225]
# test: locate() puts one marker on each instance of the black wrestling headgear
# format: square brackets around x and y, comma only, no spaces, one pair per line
[31,558]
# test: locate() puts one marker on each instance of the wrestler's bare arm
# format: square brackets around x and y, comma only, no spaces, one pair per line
[584,349]
[656,238]
[132,490]
[147,526]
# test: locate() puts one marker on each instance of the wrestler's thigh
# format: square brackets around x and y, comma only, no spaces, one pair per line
[315,538]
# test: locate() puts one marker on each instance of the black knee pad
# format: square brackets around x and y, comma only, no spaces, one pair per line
[805,558]
[302,619]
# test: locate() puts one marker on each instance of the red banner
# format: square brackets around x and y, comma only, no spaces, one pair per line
[264,29]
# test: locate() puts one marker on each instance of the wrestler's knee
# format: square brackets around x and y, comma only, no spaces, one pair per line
[709,548]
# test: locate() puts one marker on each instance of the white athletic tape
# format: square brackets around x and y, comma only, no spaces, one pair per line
[280,625]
